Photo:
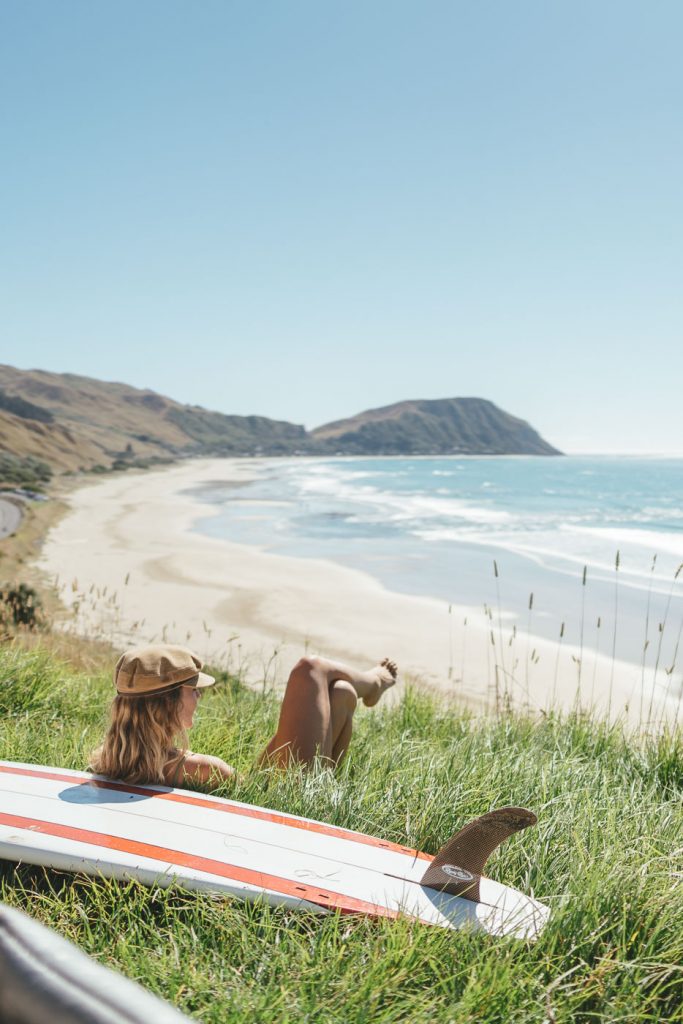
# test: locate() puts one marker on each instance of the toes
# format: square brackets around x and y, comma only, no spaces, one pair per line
[391,666]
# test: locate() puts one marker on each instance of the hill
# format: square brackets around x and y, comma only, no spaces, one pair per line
[448,426]
[77,423]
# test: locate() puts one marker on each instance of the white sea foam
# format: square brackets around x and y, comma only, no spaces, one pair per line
[659,512]
[544,516]
[401,506]
[653,541]
[415,523]
[566,551]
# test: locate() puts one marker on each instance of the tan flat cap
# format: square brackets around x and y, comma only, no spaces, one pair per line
[158,668]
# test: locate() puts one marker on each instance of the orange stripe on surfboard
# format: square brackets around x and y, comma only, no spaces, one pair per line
[260,879]
[193,800]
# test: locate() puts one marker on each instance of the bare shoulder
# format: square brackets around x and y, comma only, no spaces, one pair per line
[205,768]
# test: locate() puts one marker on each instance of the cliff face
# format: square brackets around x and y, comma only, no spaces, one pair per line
[74,423]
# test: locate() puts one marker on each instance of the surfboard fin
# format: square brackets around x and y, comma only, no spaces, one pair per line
[460,862]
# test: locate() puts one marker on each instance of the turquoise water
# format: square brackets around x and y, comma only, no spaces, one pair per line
[435,527]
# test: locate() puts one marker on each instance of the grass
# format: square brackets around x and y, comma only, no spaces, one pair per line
[607,856]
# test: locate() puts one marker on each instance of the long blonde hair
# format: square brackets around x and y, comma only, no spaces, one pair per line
[139,744]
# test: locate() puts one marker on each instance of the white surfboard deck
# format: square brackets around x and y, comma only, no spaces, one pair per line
[76,821]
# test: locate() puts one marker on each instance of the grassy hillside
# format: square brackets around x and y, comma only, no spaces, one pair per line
[53,443]
[606,856]
[443,427]
[81,423]
[76,423]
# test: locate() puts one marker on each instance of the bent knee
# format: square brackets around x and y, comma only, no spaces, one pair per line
[306,666]
[343,697]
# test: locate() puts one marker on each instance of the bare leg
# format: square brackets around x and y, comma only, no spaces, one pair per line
[304,728]
[343,701]
[369,686]
[312,720]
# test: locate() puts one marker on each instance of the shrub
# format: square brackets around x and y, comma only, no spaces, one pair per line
[23,471]
[20,606]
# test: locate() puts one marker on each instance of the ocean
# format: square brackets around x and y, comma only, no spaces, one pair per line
[586,547]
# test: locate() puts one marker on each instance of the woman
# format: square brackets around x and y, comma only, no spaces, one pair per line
[157,691]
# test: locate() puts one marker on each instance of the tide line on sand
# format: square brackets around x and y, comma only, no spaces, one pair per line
[131,569]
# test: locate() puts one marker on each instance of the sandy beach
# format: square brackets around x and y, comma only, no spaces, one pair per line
[129,568]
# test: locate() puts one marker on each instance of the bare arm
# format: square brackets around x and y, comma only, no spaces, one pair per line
[207,770]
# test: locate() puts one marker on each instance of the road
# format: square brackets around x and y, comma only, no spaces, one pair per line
[10,517]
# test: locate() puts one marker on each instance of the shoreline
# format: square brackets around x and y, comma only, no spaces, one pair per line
[130,569]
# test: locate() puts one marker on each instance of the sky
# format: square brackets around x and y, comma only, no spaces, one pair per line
[306,209]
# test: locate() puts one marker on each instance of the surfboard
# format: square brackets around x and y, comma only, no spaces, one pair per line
[79,822]
[44,979]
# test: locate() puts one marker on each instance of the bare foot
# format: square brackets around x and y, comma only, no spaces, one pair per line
[379,679]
